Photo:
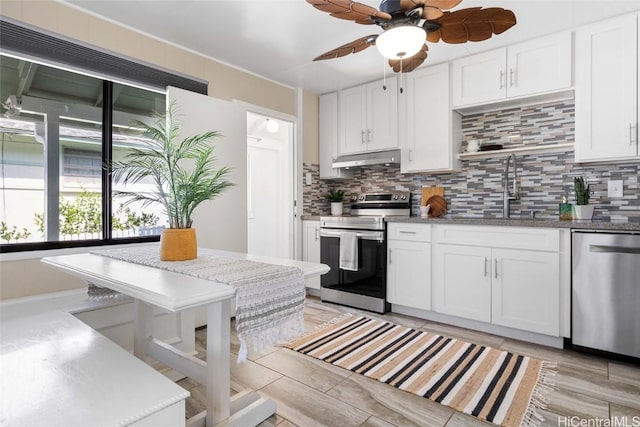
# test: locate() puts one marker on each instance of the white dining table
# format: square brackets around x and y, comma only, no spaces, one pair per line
[153,287]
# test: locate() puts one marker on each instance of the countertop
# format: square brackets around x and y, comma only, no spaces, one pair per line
[525,222]
[600,225]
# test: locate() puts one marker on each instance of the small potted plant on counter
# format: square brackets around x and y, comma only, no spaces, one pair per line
[335,197]
[582,209]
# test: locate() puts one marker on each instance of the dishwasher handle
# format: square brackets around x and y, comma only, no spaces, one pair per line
[614,249]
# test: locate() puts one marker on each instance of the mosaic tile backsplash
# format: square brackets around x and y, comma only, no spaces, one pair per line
[476,189]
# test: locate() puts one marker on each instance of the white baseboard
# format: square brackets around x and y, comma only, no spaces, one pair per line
[556,342]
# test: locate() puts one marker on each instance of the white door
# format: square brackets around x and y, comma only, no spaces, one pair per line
[428,122]
[607,90]
[382,115]
[352,120]
[462,281]
[480,78]
[269,186]
[311,248]
[540,65]
[525,290]
[219,223]
[408,274]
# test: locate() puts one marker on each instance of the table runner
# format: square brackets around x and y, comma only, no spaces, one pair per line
[269,297]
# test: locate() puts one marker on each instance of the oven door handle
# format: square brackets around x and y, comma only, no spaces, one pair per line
[364,235]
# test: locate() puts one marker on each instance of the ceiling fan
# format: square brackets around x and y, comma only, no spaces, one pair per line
[408,24]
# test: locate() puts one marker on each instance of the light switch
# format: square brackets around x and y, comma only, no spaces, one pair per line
[614,189]
[308,178]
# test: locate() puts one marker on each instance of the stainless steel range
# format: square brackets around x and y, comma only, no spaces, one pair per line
[355,247]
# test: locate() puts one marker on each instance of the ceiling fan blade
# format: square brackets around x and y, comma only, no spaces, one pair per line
[349,10]
[431,13]
[352,47]
[409,64]
[366,21]
[406,5]
[442,4]
[472,24]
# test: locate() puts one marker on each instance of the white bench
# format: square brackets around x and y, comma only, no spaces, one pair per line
[58,371]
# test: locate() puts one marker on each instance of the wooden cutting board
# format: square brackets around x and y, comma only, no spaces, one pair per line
[430,191]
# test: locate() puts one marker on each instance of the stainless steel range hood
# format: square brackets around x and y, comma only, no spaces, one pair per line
[388,157]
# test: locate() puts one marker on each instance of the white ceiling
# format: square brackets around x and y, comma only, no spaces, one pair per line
[278,39]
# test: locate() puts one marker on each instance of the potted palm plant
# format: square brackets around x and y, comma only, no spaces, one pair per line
[582,209]
[182,175]
[335,198]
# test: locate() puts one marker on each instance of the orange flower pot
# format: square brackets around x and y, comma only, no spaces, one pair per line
[178,244]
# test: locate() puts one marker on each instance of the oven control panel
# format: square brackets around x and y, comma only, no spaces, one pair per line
[381,198]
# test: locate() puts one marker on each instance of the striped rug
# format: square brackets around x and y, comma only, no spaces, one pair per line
[493,385]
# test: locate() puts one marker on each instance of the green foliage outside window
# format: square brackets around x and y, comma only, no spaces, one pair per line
[83,215]
[8,234]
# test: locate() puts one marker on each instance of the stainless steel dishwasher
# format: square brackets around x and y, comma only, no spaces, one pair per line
[606,292]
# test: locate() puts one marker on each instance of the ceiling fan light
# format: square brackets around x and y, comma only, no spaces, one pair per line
[401,42]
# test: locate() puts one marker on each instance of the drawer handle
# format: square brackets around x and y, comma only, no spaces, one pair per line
[407,232]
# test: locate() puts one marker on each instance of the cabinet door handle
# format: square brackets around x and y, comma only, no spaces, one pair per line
[486,263]
[390,261]
[410,155]
[317,234]
[502,79]
[369,133]
[495,268]
[362,137]
[633,133]
[511,79]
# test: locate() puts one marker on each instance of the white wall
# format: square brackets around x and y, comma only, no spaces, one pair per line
[219,223]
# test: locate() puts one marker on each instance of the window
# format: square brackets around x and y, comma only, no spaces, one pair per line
[57,130]
[82,163]
[53,187]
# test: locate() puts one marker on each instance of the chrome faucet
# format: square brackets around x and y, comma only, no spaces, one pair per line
[509,195]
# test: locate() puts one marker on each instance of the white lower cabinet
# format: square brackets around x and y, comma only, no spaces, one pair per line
[462,281]
[525,290]
[516,285]
[409,265]
[311,248]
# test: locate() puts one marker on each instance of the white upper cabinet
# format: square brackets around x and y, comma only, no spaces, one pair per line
[328,129]
[607,90]
[426,122]
[538,66]
[368,117]
[479,78]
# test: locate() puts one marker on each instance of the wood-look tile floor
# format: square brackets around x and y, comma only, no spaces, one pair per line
[309,392]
